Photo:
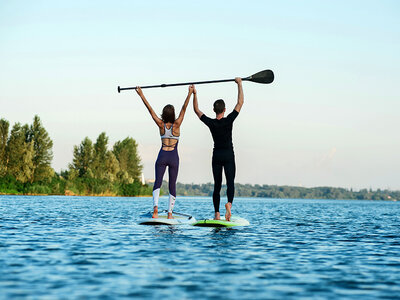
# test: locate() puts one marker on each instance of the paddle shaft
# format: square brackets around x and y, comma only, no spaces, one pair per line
[178,84]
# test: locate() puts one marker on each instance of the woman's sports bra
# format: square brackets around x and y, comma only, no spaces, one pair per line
[169,135]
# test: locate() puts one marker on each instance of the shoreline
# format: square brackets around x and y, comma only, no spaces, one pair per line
[70,195]
[146,196]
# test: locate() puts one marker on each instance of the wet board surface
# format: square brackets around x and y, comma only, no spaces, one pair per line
[235,221]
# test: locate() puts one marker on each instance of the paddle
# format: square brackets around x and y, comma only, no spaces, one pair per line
[266,76]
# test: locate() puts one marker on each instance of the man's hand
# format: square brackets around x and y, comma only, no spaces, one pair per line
[238,80]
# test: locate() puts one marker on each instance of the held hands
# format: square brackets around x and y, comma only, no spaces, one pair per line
[238,80]
[192,89]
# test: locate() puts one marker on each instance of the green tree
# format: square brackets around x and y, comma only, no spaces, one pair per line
[105,165]
[100,156]
[83,159]
[42,144]
[20,154]
[111,167]
[128,158]
[4,127]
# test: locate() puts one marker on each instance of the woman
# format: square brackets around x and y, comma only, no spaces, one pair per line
[169,128]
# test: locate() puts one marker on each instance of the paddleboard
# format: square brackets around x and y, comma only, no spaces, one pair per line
[162,220]
[235,221]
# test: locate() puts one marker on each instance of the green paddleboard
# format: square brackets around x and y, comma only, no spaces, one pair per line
[235,221]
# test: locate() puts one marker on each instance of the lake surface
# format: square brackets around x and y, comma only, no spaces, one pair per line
[93,247]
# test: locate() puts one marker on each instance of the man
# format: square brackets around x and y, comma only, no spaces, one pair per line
[223,155]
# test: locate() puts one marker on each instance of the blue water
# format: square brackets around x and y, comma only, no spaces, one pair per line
[92,247]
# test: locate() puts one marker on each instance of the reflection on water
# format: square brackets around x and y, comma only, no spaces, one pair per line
[73,247]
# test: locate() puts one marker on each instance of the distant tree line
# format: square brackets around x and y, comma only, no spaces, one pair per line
[26,156]
[289,192]
[25,168]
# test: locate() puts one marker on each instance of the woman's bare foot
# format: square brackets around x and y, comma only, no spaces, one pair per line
[170,215]
[228,214]
[217,216]
[155,212]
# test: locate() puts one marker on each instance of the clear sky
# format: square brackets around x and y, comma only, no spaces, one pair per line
[331,118]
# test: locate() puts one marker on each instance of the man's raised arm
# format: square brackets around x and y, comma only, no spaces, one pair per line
[196,105]
[240,100]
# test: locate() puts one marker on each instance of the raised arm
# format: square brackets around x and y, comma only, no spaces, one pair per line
[156,119]
[240,100]
[196,105]
[179,120]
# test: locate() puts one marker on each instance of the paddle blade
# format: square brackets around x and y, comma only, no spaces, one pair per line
[266,76]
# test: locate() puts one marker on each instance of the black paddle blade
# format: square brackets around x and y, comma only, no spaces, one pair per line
[266,76]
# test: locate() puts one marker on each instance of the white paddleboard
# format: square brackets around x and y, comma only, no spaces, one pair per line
[162,220]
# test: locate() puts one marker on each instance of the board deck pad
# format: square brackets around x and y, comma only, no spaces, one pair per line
[235,221]
[163,220]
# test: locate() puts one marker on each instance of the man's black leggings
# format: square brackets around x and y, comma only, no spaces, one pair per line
[223,159]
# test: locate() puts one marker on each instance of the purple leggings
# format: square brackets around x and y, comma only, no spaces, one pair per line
[170,159]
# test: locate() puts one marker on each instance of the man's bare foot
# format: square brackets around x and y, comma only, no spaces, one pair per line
[228,214]
[170,215]
[155,212]
[217,216]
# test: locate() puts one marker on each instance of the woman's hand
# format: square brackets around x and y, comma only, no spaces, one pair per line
[139,91]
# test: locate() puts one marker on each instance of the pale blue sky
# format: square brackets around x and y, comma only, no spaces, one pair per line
[331,118]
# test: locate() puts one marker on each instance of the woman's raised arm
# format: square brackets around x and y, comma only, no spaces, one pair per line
[179,120]
[156,119]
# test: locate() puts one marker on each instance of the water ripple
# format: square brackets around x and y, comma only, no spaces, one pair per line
[89,247]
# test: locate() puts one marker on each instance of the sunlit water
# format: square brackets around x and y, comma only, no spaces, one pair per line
[92,247]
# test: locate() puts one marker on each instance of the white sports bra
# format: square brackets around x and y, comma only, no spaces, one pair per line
[168,134]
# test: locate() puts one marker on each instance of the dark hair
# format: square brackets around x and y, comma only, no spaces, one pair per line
[168,114]
[219,106]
